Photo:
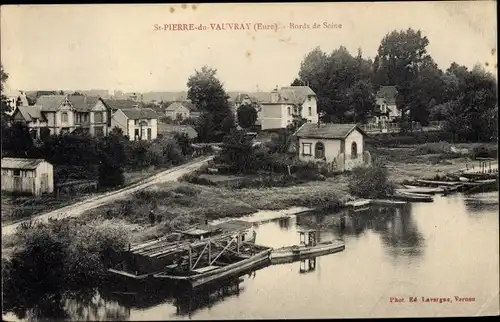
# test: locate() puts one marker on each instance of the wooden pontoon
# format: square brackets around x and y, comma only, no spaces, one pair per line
[213,259]
[388,202]
[308,247]
[423,190]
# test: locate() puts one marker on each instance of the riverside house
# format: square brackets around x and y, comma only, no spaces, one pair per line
[385,109]
[182,110]
[286,104]
[136,123]
[56,114]
[339,145]
[27,176]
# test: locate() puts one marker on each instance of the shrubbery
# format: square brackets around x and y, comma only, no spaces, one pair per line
[370,182]
[60,256]
[395,139]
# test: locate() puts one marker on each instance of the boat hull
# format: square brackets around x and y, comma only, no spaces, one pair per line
[220,273]
[413,197]
[286,254]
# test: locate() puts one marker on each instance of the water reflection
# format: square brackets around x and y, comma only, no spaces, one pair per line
[483,202]
[396,226]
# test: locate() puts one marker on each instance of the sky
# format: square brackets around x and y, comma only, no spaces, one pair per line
[116,46]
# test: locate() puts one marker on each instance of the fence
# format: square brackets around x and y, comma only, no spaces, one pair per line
[395,127]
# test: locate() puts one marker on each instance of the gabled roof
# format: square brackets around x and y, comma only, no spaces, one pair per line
[50,103]
[388,93]
[20,163]
[83,103]
[295,94]
[327,131]
[118,104]
[139,113]
[30,112]
[175,105]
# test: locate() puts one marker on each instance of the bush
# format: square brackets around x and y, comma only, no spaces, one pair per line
[370,182]
[440,147]
[484,151]
[110,175]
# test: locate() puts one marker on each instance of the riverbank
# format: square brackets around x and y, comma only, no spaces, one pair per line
[18,208]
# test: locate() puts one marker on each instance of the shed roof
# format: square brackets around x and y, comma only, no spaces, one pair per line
[116,104]
[139,113]
[327,131]
[20,163]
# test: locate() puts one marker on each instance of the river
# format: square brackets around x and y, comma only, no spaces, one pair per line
[445,249]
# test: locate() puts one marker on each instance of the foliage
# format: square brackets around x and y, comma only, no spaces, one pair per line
[189,121]
[17,141]
[166,120]
[184,143]
[207,93]
[238,152]
[247,115]
[370,182]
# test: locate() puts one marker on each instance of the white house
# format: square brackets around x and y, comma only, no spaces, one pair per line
[386,109]
[136,123]
[340,145]
[27,176]
[182,110]
[287,103]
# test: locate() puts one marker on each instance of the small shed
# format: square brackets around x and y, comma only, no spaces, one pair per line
[341,145]
[27,176]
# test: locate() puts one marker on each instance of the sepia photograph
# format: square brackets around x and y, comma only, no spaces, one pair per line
[234,161]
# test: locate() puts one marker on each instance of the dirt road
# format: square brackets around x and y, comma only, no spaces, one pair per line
[78,208]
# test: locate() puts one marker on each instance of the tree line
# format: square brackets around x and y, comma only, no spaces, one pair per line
[346,85]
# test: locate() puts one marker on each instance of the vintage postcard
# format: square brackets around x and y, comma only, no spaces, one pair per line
[249,161]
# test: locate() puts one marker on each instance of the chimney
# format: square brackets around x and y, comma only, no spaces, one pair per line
[275,95]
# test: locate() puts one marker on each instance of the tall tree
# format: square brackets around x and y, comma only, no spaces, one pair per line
[247,115]
[400,56]
[361,100]
[207,93]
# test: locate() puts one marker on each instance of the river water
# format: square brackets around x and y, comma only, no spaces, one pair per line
[443,249]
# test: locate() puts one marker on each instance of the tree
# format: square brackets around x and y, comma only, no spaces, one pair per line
[247,115]
[361,100]
[398,62]
[17,141]
[238,152]
[298,82]
[5,106]
[184,143]
[207,93]
[204,127]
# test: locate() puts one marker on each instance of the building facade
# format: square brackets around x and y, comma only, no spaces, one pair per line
[27,176]
[182,110]
[339,145]
[137,123]
[286,104]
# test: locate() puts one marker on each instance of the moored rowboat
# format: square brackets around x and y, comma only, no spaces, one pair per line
[430,191]
[408,196]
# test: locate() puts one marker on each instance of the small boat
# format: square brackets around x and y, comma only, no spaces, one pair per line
[437,183]
[412,197]
[423,190]
[388,202]
[308,247]
[359,204]
[485,186]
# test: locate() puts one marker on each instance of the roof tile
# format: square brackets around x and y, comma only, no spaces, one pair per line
[326,131]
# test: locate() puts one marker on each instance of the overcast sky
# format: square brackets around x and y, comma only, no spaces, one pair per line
[116,47]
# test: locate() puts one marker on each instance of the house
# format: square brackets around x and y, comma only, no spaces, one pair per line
[385,108]
[286,104]
[170,129]
[238,99]
[14,98]
[339,145]
[27,176]
[116,104]
[56,114]
[136,123]
[182,110]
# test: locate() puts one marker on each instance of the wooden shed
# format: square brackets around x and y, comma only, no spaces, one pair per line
[27,176]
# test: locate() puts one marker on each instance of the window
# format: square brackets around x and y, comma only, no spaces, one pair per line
[33,134]
[98,117]
[310,111]
[306,149]
[99,131]
[136,134]
[319,151]
[64,117]
[149,134]
[17,173]
[354,151]
[308,98]
[136,122]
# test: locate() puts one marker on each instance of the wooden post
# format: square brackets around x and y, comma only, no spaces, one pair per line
[209,251]
[190,258]
[238,243]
